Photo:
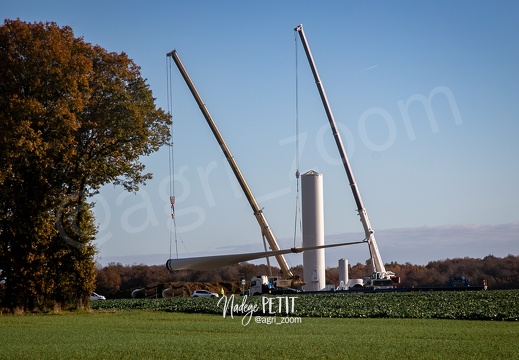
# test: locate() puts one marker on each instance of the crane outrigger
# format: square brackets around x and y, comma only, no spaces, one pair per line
[379,275]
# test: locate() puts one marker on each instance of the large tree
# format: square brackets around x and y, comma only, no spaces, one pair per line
[73,117]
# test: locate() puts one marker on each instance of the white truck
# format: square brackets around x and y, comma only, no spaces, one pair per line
[264,285]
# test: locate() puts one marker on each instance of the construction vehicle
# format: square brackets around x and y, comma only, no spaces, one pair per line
[263,285]
[257,211]
[458,281]
[380,278]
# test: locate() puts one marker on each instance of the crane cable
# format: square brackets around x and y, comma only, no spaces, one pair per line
[174,235]
[171,161]
[297,174]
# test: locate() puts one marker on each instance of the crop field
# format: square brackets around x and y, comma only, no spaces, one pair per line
[459,305]
[316,327]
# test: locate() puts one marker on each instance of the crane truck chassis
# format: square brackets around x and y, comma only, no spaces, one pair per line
[263,285]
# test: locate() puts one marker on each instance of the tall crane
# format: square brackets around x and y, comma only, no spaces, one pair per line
[258,213]
[379,270]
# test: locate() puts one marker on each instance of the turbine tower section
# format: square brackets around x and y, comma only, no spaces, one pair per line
[313,230]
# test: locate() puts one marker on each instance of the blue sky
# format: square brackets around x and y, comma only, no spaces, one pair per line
[436,184]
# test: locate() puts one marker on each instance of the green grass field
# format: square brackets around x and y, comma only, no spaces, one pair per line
[140,334]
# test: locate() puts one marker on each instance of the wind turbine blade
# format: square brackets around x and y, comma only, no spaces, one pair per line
[212,262]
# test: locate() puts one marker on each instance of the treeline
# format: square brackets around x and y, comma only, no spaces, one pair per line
[117,280]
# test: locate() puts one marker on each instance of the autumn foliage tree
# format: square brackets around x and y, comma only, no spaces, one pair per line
[73,117]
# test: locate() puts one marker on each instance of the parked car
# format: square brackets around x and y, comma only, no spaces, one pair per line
[95,296]
[203,293]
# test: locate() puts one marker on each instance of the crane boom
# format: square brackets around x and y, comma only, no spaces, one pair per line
[258,213]
[378,265]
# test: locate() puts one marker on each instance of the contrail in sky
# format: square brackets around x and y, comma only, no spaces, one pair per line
[366,69]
